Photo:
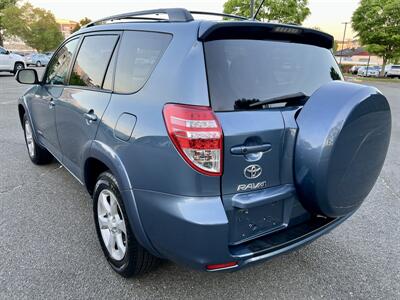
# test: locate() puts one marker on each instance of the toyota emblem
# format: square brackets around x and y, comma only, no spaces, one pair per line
[252,171]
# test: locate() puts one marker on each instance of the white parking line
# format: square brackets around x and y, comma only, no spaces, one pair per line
[8,102]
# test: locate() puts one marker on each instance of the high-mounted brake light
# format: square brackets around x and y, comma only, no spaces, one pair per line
[197,135]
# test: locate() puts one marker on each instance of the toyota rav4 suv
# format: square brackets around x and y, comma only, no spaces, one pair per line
[214,144]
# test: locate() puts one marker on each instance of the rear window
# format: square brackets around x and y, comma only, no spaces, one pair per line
[92,60]
[396,67]
[259,70]
[138,55]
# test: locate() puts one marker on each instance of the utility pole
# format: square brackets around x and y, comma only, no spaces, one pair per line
[369,59]
[344,35]
[251,9]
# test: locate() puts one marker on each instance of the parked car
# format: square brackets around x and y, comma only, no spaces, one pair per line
[20,53]
[10,62]
[49,54]
[392,71]
[354,69]
[195,151]
[371,71]
[37,59]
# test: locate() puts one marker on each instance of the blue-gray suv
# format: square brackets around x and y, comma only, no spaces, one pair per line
[214,144]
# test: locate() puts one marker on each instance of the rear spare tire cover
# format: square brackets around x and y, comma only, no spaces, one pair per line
[343,137]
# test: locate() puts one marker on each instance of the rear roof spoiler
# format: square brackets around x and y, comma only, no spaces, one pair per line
[210,31]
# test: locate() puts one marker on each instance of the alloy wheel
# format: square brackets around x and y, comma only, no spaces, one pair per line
[112,224]
[29,139]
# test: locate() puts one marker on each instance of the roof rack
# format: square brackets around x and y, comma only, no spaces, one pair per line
[174,15]
[218,14]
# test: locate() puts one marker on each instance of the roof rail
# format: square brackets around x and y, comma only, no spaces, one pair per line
[174,15]
[218,14]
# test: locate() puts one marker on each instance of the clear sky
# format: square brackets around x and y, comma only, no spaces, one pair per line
[326,14]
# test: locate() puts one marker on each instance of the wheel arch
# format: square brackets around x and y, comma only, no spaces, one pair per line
[101,158]
[21,113]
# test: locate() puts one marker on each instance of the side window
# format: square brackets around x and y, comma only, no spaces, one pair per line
[92,60]
[59,66]
[138,55]
[2,50]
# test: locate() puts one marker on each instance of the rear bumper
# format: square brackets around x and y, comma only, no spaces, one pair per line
[194,231]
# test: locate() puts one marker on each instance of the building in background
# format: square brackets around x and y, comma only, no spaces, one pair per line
[348,44]
[66,26]
[358,56]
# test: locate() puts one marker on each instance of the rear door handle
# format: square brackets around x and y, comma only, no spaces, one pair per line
[243,149]
[90,116]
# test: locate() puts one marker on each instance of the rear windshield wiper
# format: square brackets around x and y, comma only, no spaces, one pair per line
[300,99]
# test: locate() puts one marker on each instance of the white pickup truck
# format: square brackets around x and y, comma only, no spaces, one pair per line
[10,62]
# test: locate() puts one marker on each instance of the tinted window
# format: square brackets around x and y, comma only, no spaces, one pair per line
[92,60]
[59,66]
[254,69]
[138,55]
[108,80]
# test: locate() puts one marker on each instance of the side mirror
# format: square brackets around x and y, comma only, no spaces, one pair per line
[27,76]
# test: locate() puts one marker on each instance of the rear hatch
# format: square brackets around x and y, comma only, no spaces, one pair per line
[248,63]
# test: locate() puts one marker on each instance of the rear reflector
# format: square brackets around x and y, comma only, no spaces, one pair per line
[197,135]
[221,266]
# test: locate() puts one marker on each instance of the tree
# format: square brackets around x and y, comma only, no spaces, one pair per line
[81,23]
[335,46]
[378,25]
[3,5]
[285,11]
[35,26]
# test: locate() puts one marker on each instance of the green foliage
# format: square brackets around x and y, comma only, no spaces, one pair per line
[35,26]
[4,4]
[285,11]
[81,23]
[378,25]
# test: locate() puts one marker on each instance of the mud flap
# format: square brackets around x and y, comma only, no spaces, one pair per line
[343,138]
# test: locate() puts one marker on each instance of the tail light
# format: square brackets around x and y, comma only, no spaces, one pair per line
[197,135]
[222,266]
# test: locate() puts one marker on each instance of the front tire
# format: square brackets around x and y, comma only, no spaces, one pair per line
[123,252]
[18,66]
[37,154]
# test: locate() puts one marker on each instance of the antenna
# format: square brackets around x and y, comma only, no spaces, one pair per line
[258,10]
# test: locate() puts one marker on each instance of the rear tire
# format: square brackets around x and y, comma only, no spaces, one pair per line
[37,154]
[123,252]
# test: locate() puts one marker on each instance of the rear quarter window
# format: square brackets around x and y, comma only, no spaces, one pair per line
[138,55]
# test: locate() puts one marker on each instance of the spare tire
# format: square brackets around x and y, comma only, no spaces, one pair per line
[342,141]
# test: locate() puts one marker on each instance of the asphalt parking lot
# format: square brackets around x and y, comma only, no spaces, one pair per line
[49,248]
